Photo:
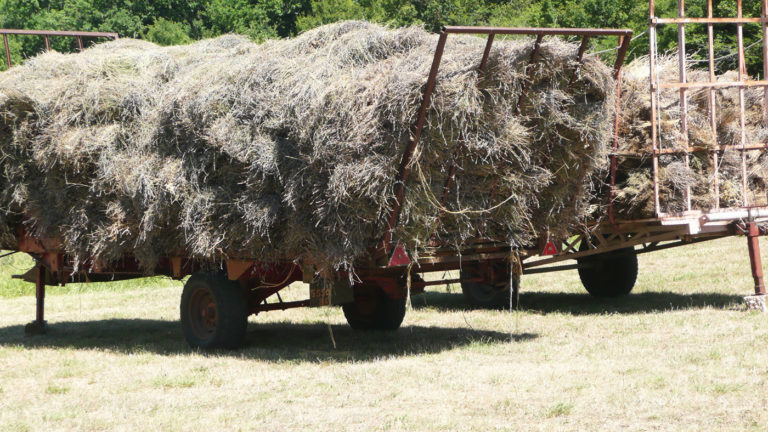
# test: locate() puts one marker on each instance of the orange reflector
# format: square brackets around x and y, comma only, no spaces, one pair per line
[550,249]
[399,258]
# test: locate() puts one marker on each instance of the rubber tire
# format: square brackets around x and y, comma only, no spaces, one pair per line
[374,310]
[483,295]
[610,274]
[231,311]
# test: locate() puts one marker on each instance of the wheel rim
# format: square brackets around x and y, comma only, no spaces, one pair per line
[202,313]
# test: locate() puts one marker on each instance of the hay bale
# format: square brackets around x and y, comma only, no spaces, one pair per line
[289,149]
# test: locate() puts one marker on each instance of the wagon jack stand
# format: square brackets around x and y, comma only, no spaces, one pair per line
[515,271]
[756,301]
[38,326]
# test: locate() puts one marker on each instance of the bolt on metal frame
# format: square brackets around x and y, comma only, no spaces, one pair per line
[743,82]
[47,34]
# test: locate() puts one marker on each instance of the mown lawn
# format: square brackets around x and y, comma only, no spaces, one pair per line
[679,354]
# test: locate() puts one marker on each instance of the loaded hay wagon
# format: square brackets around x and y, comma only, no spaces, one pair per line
[221,293]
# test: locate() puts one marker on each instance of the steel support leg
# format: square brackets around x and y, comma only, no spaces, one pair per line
[753,234]
[515,272]
[38,325]
[515,300]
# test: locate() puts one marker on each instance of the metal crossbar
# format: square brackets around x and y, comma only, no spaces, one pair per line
[47,34]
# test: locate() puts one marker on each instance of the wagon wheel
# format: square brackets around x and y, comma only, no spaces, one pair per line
[609,274]
[373,309]
[214,311]
[485,294]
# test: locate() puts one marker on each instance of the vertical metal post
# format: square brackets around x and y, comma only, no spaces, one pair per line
[47,43]
[80,43]
[37,326]
[486,53]
[7,51]
[755,262]
[654,127]
[534,58]
[764,16]
[404,169]
[683,95]
[742,72]
[579,59]
[712,106]
[40,295]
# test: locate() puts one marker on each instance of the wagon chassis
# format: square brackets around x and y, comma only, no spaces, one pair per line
[388,270]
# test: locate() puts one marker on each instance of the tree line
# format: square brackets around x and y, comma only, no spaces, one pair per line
[172,22]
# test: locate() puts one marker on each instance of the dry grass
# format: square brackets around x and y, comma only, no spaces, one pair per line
[679,354]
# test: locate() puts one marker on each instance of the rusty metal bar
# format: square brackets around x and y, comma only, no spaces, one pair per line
[40,295]
[756,265]
[579,59]
[656,145]
[534,57]
[621,54]
[46,34]
[7,51]
[679,20]
[742,125]
[713,105]
[451,281]
[537,31]
[486,53]
[404,169]
[527,271]
[281,306]
[683,96]
[764,15]
[8,254]
[57,33]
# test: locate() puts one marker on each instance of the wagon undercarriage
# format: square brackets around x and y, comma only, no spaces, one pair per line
[217,300]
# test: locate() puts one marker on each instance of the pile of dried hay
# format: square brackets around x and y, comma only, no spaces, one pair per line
[634,198]
[289,149]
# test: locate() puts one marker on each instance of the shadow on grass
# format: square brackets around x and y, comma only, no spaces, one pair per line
[584,304]
[278,342]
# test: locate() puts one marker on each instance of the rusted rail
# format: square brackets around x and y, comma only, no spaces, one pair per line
[47,34]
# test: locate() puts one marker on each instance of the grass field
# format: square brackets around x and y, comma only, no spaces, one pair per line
[679,354]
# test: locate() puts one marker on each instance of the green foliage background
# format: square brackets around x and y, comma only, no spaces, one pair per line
[170,22]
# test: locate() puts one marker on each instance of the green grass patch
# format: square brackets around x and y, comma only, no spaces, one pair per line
[57,389]
[560,409]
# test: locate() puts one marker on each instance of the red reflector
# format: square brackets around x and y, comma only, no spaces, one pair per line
[399,258]
[550,249]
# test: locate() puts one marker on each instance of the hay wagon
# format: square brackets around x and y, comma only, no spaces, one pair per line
[215,305]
